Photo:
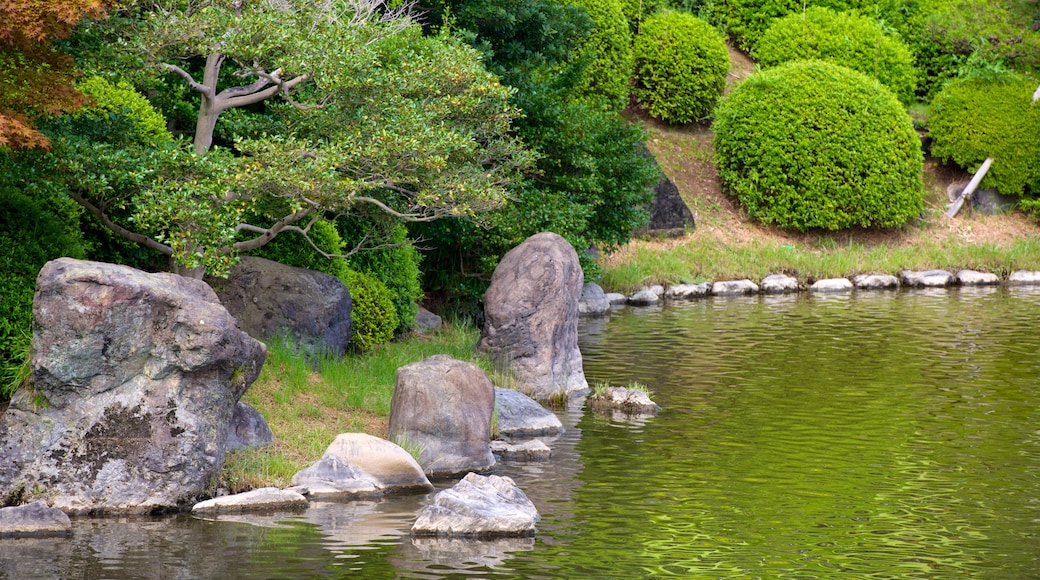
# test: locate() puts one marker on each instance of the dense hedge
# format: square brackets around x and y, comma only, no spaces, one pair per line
[681,64]
[121,98]
[747,20]
[844,38]
[30,236]
[608,50]
[973,119]
[812,144]
[373,315]
[636,11]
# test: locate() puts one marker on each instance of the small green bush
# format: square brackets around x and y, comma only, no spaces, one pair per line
[30,236]
[747,20]
[292,249]
[844,38]
[812,144]
[681,63]
[396,266]
[373,315]
[121,99]
[608,51]
[974,118]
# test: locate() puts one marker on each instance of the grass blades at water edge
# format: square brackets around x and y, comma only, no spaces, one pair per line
[308,401]
[708,260]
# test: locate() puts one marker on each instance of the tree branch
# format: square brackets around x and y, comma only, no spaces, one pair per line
[118,229]
[266,235]
[184,74]
[410,217]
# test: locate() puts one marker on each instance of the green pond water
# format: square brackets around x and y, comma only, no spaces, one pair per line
[877,435]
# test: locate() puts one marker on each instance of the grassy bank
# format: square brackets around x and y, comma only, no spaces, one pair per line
[307,403]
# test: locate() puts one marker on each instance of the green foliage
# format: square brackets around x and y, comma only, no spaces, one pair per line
[293,249]
[976,118]
[945,34]
[747,20]
[844,38]
[121,98]
[636,11]
[608,53]
[30,236]
[812,144]
[373,315]
[395,263]
[681,64]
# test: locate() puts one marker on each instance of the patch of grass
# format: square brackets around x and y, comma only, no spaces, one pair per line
[308,401]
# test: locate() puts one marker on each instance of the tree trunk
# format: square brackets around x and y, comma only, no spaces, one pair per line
[205,125]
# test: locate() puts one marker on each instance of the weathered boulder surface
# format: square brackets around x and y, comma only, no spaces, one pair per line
[831,285]
[269,298]
[135,378]
[33,520]
[875,281]
[480,506]
[632,401]
[248,429]
[734,288]
[687,291]
[264,499]
[444,407]
[357,465]
[779,284]
[426,321]
[926,279]
[531,316]
[593,301]
[521,416]
[973,278]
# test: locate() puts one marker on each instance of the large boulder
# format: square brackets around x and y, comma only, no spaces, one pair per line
[269,298]
[357,465]
[443,407]
[479,506]
[134,381]
[531,316]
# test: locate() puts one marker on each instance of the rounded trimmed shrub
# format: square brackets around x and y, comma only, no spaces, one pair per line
[372,314]
[812,144]
[681,63]
[974,118]
[747,20]
[844,38]
[608,50]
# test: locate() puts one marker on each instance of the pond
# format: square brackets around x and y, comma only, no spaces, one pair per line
[874,435]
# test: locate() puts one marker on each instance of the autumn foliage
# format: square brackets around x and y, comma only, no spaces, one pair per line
[36,79]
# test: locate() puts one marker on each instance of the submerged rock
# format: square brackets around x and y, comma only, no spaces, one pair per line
[875,282]
[593,301]
[357,465]
[530,450]
[1023,277]
[927,279]
[687,291]
[779,284]
[443,406]
[734,288]
[633,401]
[479,506]
[34,520]
[264,499]
[973,278]
[832,285]
[646,297]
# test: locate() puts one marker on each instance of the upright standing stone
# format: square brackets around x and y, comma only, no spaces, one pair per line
[443,406]
[531,316]
[134,381]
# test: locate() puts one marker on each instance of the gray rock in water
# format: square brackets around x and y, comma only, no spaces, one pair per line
[531,316]
[831,285]
[617,299]
[33,520]
[875,282]
[734,288]
[444,406]
[479,506]
[134,382]
[426,321]
[357,465]
[264,499]
[973,278]
[530,450]
[269,298]
[521,416]
[248,429]
[1023,278]
[593,301]
[779,284]
[926,279]
[687,291]
[632,401]
[645,297]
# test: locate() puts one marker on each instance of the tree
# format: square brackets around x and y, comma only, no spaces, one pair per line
[35,79]
[357,109]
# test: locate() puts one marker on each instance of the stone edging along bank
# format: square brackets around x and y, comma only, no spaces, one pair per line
[595,301]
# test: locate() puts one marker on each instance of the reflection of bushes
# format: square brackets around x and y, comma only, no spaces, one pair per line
[812,144]
[843,38]
[976,118]
[681,66]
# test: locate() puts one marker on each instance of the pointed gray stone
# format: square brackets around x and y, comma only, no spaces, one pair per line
[479,506]
[359,465]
